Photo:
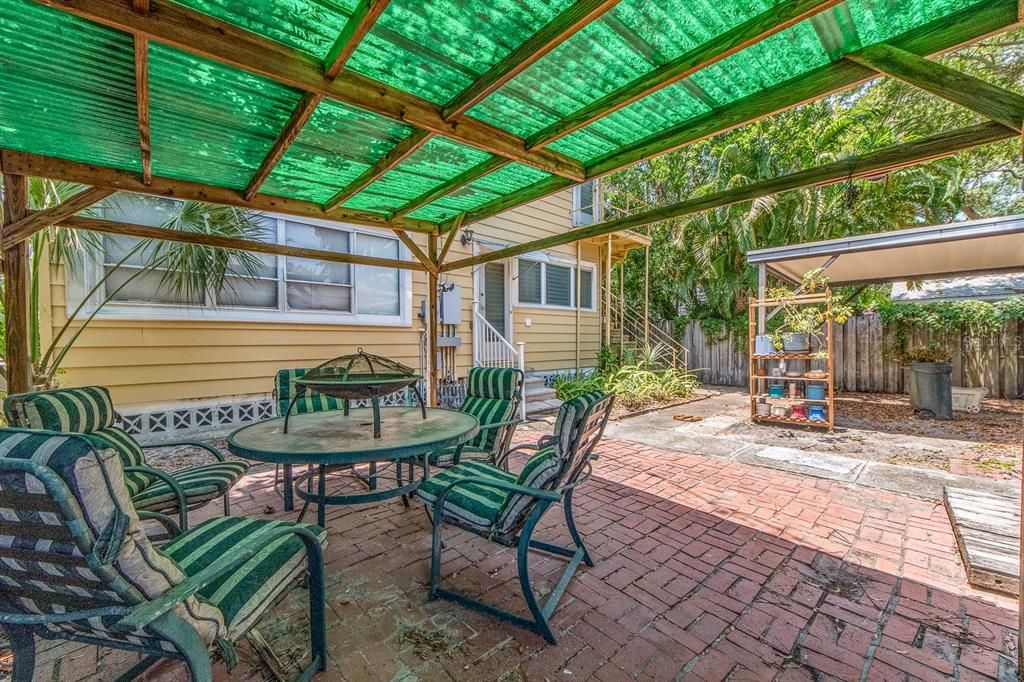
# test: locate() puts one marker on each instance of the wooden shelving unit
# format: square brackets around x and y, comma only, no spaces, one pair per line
[760,372]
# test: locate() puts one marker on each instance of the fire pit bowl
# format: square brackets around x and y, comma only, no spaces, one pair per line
[359,376]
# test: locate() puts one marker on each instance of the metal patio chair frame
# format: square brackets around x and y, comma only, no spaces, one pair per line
[587,429]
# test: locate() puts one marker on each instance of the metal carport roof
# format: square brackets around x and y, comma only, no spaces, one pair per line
[987,246]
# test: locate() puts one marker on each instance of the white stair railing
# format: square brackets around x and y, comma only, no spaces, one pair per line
[491,349]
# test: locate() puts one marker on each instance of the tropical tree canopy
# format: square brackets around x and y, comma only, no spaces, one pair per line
[698,262]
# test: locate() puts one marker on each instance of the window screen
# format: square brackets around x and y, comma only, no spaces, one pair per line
[529,281]
[558,286]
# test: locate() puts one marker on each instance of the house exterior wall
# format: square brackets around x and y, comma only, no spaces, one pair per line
[149,361]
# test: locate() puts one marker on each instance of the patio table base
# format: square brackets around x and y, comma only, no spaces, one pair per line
[403,487]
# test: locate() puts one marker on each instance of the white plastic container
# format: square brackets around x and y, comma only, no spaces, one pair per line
[968,399]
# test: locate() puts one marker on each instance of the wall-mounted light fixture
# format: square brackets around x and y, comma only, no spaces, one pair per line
[466,238]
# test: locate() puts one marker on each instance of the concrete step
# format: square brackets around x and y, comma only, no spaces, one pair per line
[540,406]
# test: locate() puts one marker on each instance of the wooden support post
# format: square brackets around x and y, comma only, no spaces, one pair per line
[647,295]
[622,304]
[608,292]
[579,248]
[16,284]
[432,325]
[762,287]
[450,239]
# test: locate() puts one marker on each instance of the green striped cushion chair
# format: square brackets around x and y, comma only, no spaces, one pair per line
[89,411]
[490,512]
[74,561]
[311,401]
[493,396]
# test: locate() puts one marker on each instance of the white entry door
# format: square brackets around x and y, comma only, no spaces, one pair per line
[491,347]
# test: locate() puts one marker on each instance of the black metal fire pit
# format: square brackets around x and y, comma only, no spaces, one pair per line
[360,376]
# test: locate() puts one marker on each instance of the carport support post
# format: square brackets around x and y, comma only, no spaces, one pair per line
[16,276]
[762,286]
[432,324]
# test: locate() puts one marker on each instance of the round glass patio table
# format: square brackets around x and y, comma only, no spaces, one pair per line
[331,438]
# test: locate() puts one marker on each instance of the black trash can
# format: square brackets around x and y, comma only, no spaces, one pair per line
[931,389]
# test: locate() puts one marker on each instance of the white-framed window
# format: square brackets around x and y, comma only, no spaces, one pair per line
[551,283]
[282,289]
[586,203]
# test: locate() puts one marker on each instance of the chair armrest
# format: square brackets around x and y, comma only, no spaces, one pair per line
[547,440]
[67,617]
[495,425]
[173,529]
[144,614]
[203,446]
[179,494]
[549,495]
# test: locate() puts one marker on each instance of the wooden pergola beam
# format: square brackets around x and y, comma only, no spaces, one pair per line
[755,29]
[452,231]
[551,35]
[142,106]
[300,115]
[395,156]
[35,165]
[428,265]
[18,360]
[141,6]
[34,221]
[461,180]
[875,163]
[938,36]
[990,101]
[217,241]
[199,34]
[363,17]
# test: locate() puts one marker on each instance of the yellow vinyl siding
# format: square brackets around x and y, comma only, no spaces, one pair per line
[159,361]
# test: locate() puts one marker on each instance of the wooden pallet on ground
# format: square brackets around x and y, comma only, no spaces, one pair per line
[987,529]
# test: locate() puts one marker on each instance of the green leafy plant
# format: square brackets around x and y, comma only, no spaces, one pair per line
[187,269]
[636,385]
[801,318]
[931,352]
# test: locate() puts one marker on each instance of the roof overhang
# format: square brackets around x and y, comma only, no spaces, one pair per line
[988,246]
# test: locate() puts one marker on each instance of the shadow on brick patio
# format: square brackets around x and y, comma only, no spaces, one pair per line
[706,570]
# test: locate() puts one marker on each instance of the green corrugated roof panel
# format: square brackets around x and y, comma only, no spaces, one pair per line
[436,162]
[436,48]
[505,180]
[877,21]
[67,87]
[307,25]
[624,44]
[209,122]
[335,146]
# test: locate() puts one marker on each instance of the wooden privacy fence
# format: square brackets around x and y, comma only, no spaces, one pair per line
[862,362]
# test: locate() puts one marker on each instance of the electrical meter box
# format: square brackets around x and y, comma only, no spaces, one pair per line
[449,306]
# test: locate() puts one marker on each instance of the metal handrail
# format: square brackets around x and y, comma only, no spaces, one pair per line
[634,321]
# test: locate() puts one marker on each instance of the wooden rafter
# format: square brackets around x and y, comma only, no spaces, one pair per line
[992,102]
[37,220]
[142,106]
[141,6]
[757,28]
[395,156]
[199,34]
[218,241]
[881,161]
[938,36]
[554,33]
[461,180]
[300,115]
[363,17]
[100,176]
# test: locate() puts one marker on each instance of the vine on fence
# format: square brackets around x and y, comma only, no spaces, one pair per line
[974,318]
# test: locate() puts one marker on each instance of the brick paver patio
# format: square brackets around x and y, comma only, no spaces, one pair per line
[706,570]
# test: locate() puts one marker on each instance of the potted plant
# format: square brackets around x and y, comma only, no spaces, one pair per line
[931,380]
[801,322]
